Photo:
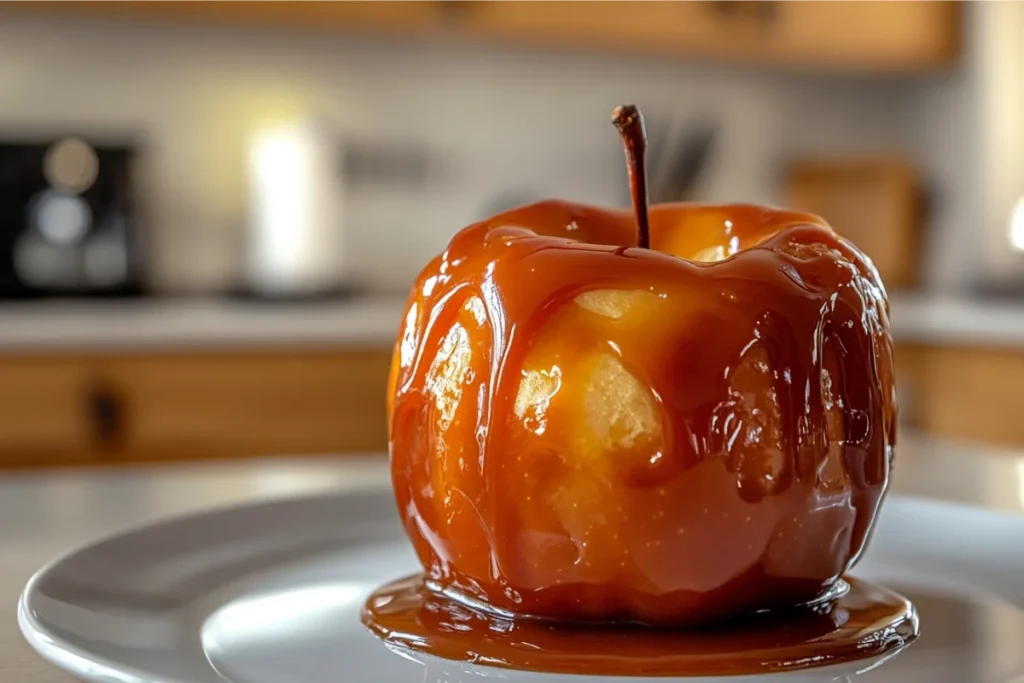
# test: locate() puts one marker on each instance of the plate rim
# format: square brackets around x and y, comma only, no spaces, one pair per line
[89,665]
[62,653]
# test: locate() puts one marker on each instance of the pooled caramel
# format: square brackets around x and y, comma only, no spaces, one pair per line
[867,622]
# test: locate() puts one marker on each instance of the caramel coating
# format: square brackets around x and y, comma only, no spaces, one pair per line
[585,430]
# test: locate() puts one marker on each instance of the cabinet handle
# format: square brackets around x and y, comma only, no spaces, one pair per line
[767,12]
[764,12]
[105,413]
[454,12]
[726,9]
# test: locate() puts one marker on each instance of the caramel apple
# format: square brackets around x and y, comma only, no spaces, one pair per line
[666,416]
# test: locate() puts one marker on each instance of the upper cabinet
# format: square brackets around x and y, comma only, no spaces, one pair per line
[854,36]
[866,35]
[340,17]
[848,36]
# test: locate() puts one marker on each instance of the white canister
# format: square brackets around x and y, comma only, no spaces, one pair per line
[295,211]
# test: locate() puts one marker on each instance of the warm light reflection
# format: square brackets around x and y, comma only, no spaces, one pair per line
[282,214]
[277,609]
[1020,482]
[1016,229]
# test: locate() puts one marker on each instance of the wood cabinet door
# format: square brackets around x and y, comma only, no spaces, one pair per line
[44,411]
[857,36]
[962,392]
[226,405]
[698,28]
[870,36]
[97,410]
[903,35]
[382,17]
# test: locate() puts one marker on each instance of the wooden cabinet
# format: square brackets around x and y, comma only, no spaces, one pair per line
[252,404]
[389,17]
[868,35]
[962,392]
[43,414]
[61,410]
[669,27]
[857,36]
[850,35]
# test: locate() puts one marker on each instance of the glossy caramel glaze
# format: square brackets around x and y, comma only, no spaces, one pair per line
[865,623]
[585,430]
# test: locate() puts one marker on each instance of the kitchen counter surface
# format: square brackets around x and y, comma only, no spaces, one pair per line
[47,513]
[183,323]
[374,320]
[950,320]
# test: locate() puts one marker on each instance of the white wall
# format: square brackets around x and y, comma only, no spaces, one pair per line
[496,118]
[947,132]
[1001,100]
[971,138]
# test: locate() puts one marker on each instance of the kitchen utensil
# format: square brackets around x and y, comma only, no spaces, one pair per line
[675,177]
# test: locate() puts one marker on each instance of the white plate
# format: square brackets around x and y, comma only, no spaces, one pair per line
[271,593]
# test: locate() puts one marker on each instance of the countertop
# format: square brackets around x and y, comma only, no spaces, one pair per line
[374,320]
[125,325]
[46,513]
[957,320]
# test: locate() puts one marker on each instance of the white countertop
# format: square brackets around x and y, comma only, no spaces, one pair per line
[183,323]
[957,320]
[374,321]
[49,512]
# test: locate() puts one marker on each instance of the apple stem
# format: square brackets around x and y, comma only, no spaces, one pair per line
[630,122]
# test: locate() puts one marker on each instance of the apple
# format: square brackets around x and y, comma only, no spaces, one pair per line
[670,416]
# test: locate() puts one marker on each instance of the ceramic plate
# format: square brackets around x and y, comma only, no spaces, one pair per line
[271,593]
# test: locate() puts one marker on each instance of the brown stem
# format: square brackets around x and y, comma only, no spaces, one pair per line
[630,122]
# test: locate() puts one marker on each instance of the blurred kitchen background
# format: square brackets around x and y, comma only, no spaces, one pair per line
[210,212]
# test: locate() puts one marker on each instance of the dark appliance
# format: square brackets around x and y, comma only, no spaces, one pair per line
[67,221]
